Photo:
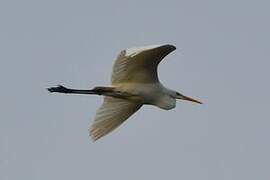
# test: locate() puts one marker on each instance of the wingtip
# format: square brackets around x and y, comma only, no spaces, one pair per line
[93,139]
[93,136]
[170,47]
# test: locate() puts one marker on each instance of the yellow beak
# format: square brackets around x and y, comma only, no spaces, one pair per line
[190,99]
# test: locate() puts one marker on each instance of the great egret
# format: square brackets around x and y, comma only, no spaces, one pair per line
[134,82]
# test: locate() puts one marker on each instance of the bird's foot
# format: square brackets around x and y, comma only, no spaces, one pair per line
[59,89]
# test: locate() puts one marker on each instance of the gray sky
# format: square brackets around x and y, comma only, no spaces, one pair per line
[222,58]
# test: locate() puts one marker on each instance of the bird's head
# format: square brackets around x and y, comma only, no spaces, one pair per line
[178,95]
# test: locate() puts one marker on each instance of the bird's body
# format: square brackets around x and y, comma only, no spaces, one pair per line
[134,82]
[149,93]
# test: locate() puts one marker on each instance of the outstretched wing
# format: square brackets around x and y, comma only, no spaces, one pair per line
[139,65]
[112,113]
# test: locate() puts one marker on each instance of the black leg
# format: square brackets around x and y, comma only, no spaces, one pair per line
[59,89]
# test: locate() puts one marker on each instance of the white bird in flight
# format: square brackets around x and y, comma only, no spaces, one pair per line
[134,82]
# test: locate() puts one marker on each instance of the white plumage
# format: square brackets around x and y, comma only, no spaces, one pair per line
[111,114]
[134,82]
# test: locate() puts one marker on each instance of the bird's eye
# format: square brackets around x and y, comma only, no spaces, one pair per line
[178,94]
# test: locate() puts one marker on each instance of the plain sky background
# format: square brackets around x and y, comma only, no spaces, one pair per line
[222,58]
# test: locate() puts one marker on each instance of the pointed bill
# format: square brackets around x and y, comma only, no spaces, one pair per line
[191,99]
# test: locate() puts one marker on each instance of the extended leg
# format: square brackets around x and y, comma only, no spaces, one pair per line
[62,89]
[97,90]
[100,90]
